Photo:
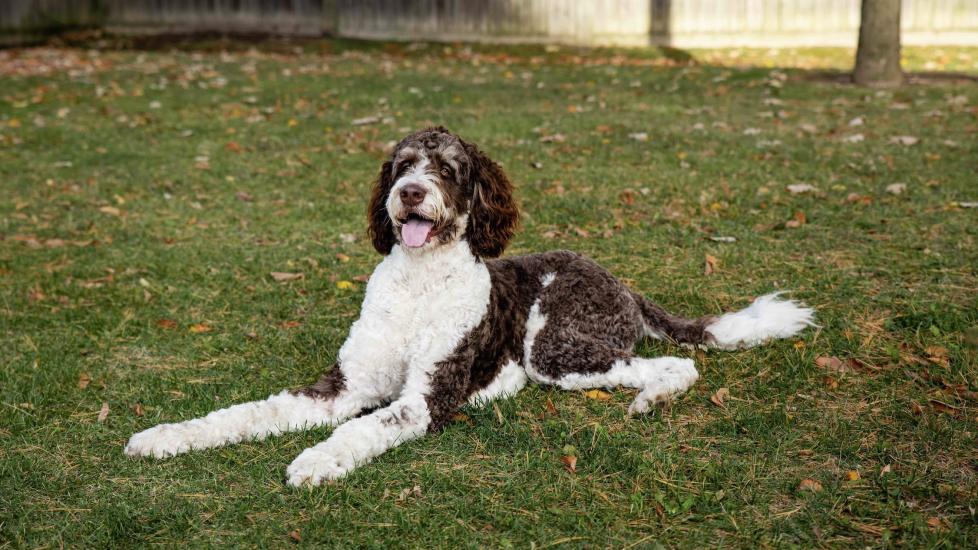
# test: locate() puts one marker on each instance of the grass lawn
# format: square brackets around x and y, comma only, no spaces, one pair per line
[148,195]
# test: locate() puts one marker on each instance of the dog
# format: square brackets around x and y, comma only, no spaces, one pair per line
[444,322]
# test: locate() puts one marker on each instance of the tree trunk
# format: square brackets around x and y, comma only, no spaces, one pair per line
[878,55]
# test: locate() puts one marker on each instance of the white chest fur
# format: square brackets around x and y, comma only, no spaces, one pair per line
[418,307]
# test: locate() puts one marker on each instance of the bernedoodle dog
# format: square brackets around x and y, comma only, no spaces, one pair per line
[444,324]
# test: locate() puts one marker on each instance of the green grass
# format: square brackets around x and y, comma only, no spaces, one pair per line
[124,226]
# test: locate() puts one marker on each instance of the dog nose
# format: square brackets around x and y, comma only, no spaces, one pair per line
[412,194]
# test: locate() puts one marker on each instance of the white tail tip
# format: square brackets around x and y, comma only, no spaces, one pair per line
[765,319]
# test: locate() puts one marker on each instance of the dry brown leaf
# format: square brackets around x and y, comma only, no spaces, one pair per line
[935,524]
[711,266]
[885,470]
[904,140]
[570,463]
[200,328]
[290,324]
[549,405]
[168,324]
[283,277]
[597,395]
[831,363]
[137,409]
[342,257]
[945,408]
[233,146]
[295,535]
[798,220]
[110,210]
[809,484]
[718,397]
[84,379]
[103,413]
[244,196]
[361,278]
[409,492]
[938,356]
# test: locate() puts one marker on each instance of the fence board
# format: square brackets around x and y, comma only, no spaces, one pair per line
[682,23]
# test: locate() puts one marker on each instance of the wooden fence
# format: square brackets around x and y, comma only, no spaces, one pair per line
[682,23]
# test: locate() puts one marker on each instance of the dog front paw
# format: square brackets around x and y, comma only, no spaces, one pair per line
[159,442]
[312,467]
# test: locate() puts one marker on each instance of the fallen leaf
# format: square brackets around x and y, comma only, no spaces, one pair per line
[938,356]
[283,277]
[718,397]
[233,146]
[243,196]
[799,188]
[290,324]
[935,524]
[408,492]
[103,413]
[905,140]
[168,324]
[896,188]
[295,535]
[554,138]
[110,210]
[549,405]
[364,120]
[885,470]
[597,395]
[342,257]
[916,409]
[200,328]
[711,265]
[809,484]
[570,463]
[945,408]
[798,220]
[361,278]
[852,475]
[831,363]
[344,285]
[84,379]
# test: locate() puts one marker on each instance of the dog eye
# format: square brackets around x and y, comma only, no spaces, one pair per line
[446,171]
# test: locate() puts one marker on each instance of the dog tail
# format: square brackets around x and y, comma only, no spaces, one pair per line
[766,318]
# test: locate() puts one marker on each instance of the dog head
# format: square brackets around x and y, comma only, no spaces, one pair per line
[436,189]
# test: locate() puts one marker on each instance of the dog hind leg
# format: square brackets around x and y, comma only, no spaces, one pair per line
[570,359]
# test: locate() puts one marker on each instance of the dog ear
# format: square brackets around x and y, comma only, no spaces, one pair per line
[381,228]
[494,215]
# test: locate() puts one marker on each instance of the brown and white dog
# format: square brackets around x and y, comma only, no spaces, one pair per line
[443,324]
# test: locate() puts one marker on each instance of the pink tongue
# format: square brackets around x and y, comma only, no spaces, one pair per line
[415,232]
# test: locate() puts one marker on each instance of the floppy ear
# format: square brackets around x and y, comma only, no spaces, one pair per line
[494,216]
[381,228]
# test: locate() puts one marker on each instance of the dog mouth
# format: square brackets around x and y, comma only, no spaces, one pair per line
[417,230]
